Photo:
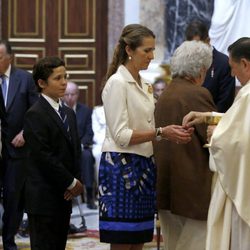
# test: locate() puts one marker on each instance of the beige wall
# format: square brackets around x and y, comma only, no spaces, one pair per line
[151,14]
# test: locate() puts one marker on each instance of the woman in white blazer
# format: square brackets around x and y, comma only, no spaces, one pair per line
[127,172]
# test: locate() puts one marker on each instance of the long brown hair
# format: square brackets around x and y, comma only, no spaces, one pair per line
[132,35]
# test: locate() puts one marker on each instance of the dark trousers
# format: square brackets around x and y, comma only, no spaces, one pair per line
[48,232]
[88,173]
[13,200]
[87,168]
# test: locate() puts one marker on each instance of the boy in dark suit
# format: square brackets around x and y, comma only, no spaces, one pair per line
[50,131]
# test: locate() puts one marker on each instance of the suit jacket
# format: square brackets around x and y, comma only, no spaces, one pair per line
[84,124]
[219,82]
[2,107]
[183,177]
[22,94]
[53,160]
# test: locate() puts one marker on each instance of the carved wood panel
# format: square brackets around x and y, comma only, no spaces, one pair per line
[74,30]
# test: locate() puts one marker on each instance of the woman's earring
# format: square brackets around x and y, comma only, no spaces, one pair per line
[129,58]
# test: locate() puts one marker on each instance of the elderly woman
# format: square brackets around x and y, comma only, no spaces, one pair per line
[229,211]
[184,178]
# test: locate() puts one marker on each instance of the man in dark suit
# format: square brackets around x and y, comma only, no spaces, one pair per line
[50,131]
[18,95]
[218,79]
[84,124]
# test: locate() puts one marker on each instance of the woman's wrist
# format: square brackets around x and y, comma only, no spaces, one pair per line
[158,134]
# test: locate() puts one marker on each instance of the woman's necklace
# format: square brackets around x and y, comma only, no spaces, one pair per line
[135,75]
[139,81]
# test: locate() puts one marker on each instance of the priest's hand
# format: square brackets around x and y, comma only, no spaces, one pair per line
[193,118]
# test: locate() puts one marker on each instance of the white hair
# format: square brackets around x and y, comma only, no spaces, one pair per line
[189,58]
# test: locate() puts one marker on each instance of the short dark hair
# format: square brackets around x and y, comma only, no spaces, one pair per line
[196,28]
[240,49]
[44,68]
[7,46]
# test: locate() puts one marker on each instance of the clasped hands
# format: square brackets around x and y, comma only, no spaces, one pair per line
[75,191]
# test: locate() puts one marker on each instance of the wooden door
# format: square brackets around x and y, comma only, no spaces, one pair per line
[75,30]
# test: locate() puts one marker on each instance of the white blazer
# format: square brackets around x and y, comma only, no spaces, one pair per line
[127,107]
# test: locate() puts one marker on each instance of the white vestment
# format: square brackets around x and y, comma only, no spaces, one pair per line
[230,160]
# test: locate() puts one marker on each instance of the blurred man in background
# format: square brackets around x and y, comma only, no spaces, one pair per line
[84,124]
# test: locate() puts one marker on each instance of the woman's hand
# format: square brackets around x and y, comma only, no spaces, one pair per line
[194,117]
[177,134]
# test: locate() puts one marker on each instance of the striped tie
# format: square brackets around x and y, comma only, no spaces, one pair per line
[4,88]
[64,118]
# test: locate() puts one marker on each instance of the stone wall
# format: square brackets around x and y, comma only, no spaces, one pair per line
[152,15]
[115,24]
[178,13]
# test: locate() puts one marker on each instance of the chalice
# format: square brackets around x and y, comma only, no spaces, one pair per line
[211,120]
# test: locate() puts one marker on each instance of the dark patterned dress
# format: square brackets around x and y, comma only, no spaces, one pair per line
[126,198]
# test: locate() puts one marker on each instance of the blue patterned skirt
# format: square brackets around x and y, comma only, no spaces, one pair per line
[126,198]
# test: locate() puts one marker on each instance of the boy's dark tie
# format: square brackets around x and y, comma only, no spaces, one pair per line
[64,118]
